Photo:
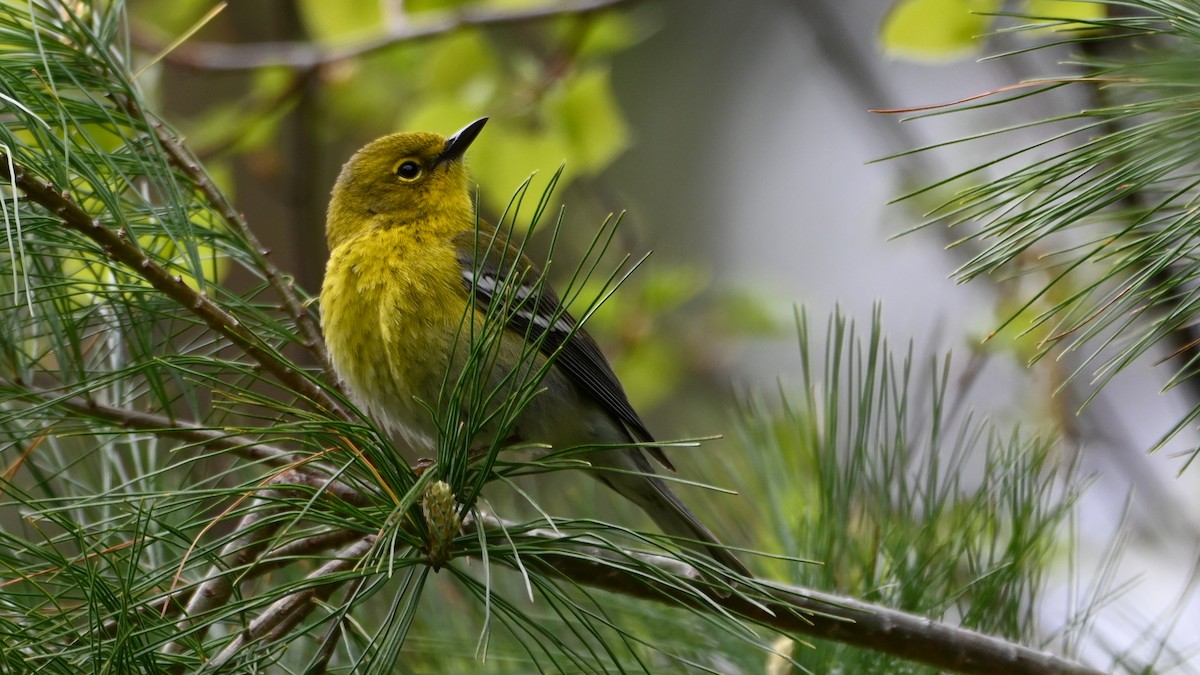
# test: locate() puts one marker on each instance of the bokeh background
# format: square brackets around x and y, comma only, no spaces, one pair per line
[738,140]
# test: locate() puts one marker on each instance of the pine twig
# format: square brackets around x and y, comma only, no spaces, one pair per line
[284,614]
[329,642]
[270,561]
[310,332]
[300,471]
[789,609]
[247,557]
[119,247]
[235,557]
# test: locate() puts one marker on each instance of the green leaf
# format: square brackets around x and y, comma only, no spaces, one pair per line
[338,21]
[935,30]
[591,122]
[1068,9]
[609,33]
[1066,15]
[463,64]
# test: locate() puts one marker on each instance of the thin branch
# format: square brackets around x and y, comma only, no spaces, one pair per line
[243,559]
[329,642]
[119,247]
[306,55]
[310,332]
[161,425]
[299,467]
[789,609]
[277,558]
[220,584]
[284,614]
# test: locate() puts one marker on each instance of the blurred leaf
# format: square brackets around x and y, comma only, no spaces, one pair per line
[591,121]
[445,116]
[609,34]
[651,371]
[372,91]
[505,154]
[1068,9]
[935,30]
[171,17]
[462,65]
[669,286]
[746,312]
[1023,329]
[340,21]
[249,123]
[415,6]
[1066,15]
[508,151]
[515,4]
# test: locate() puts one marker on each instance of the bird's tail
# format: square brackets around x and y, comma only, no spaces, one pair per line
[654,497]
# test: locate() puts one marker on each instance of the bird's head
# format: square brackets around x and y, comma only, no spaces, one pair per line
[414,179]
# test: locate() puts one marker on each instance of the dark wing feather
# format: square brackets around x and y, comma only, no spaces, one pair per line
[538,316]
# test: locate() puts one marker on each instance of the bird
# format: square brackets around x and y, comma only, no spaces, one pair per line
[403,270]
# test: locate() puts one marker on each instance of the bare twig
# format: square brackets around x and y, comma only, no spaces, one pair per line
[305,55]
[244,558]
[329,642]
[792,610]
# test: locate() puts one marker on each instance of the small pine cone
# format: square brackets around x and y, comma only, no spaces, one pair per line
[441,517]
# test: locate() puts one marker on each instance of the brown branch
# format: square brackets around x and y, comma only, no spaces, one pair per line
[120,247]
[310,332]
[219,584]
[283,615]
[246,557]
[306,55]
[299,467]
[788,609]
[333,635]
[277,558]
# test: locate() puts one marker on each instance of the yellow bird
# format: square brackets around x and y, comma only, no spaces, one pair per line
[402,233]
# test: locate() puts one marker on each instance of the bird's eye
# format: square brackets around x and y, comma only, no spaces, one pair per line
[408,170]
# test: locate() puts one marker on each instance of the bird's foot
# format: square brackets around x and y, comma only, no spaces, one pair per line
[424,464]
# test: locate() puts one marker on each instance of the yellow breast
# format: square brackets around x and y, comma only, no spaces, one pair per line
[390,308]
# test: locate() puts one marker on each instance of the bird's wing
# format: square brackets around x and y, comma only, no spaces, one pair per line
[537,314]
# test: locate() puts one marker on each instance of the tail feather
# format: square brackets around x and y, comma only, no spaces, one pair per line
[653,496]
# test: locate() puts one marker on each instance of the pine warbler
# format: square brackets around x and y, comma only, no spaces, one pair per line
[401,230]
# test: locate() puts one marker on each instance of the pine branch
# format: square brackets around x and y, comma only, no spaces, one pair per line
[182,159]
[178,604]
[787,609]
[216,590]
[284,614]
[119,247]
[243,558]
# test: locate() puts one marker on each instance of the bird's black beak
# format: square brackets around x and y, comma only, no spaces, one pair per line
[457,144]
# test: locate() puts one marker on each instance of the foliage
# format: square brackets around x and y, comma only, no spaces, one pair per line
[1102,222]
[942,30]
[938,513]
[171,435]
